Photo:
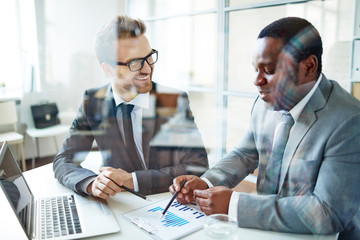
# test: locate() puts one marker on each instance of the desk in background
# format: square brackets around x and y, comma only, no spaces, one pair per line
[178,132]
[10,95]
[42,183]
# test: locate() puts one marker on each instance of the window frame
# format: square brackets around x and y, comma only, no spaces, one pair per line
[223,11]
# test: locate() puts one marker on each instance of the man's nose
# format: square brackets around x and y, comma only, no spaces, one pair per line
[260,79]
[146,68]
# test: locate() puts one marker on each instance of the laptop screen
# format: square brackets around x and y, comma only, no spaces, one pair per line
[14,186]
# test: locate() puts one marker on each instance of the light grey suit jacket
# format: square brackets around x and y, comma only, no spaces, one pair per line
[320,176]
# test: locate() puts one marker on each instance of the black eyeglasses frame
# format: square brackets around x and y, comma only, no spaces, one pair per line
[140,59]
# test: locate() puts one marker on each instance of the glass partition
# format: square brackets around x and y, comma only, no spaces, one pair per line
[187,50]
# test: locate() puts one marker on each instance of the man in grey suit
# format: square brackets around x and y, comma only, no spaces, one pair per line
[113,116]
[313,186]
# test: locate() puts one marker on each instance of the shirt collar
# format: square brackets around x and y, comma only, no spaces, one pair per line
[141,100]
[298,108]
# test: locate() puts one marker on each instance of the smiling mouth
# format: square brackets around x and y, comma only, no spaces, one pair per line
[142,78]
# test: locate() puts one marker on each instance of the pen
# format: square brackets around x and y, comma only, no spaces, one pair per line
[173,197]
[130,190]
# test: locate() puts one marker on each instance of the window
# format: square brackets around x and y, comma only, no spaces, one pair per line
[11,52]
[185,59]
[206,47]
[169,8]
[20,72]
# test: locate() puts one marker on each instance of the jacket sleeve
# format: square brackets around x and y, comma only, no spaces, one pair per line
[75,147]
[237,164]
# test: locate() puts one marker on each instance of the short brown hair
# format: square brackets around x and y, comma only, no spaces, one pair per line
[120,27]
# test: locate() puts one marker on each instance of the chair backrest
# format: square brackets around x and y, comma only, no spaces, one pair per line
[27,100]
[8,113]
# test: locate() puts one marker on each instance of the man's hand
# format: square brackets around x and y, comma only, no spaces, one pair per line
[186,194]
[104,184]
[213,200]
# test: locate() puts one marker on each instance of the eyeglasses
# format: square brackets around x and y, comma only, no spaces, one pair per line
[137,64]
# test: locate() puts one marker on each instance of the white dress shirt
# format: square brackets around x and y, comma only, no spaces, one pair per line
[140,101]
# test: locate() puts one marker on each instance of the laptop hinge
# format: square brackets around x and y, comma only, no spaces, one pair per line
[33,215]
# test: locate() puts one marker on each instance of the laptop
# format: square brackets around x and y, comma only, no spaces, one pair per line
[66,216]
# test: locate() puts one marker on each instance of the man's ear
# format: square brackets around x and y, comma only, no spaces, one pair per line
[108,69]
[311,64]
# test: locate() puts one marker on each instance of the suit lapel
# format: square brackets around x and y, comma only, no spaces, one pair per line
[109,109]
[149,126]
[302,126]
[299,130]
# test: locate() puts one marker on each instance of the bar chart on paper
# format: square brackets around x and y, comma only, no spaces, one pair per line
[178,221]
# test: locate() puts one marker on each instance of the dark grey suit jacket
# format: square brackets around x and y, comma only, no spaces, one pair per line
[96,121]
[320,176]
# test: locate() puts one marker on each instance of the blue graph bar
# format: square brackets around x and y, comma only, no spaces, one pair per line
[184,208]
[176,204]
[171,219]
[156,209]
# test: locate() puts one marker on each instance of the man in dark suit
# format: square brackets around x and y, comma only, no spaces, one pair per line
[309,182]
[113,116]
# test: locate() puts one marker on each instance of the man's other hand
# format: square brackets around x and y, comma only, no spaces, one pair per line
[213,200]
[186,194]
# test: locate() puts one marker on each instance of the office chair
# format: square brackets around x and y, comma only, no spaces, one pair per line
[9,117]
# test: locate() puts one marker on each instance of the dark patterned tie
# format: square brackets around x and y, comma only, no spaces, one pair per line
[273,169]
[128,133]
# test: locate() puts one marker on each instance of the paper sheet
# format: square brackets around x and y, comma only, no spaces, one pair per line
[178,221]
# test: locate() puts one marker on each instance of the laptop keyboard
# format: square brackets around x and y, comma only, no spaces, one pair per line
[59,217]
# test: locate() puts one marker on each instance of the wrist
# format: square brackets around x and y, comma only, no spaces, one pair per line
[89,188]
[207,183]
[129,181]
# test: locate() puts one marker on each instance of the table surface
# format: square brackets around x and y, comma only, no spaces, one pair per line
[177,137]
[47,132]
[42,183]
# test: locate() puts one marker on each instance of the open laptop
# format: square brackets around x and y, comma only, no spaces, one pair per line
[67,216]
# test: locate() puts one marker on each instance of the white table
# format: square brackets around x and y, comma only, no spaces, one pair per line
[42,182]
[52,131]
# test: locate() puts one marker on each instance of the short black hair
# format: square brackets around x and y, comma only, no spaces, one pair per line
[289,30]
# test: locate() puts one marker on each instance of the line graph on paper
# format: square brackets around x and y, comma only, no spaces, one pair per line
[184,219]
